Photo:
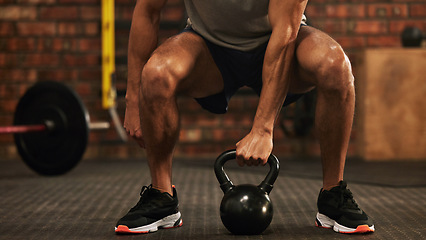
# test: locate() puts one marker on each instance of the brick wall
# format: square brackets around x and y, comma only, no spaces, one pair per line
[60,40]
[366,23]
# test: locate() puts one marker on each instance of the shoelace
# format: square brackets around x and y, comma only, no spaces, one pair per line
[144,190]
[144,197]
[347,200]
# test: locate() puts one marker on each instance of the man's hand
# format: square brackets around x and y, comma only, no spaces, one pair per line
[132,123]
[254,149]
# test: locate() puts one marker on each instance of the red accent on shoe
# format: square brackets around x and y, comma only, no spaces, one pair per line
[361,229]
[316,224]
[125,229]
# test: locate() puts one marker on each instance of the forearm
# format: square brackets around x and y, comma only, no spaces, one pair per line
[276,79]
[285,18]
[258,144]
[142,42]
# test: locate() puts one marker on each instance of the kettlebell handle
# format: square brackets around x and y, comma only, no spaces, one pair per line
[226,184]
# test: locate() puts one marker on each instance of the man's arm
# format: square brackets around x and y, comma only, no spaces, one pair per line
[285,18]
[142,42]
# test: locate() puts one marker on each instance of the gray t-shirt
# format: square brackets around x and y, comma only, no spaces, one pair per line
[237,24]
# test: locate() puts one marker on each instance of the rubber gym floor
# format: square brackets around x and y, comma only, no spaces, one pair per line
[86,202]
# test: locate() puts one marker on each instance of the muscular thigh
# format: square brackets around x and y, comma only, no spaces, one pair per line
[187,60]
[313,49]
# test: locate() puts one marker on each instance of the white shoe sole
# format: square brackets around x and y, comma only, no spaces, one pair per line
[170,221]
[326,222]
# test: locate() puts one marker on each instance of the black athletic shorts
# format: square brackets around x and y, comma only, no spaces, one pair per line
[238,69]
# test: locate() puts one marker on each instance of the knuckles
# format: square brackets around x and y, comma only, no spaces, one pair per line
[246,159]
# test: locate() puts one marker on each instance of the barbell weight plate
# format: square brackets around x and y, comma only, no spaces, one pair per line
[58,150]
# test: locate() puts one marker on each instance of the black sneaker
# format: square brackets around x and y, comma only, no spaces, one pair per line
[337,209]
[153,211]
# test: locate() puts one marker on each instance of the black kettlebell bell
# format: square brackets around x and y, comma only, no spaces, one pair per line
[412,37]
[245,209]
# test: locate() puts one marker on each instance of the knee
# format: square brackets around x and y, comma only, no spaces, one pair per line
[335,73]
[158,81]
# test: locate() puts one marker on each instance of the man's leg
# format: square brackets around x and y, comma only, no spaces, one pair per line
[181,65]
[322,63]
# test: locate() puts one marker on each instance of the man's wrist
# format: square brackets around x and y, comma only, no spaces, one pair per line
[262,128]
[132,97]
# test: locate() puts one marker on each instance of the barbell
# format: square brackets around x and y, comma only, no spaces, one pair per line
[51,128]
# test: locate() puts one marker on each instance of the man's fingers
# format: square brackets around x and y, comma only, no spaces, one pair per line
[240,160]
[247,160]
[140,142]
[256,162]
[136,135]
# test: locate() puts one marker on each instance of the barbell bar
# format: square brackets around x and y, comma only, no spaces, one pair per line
[51,128]
[45,127]
[23,129]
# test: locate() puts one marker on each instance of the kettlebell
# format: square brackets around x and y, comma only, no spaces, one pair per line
[412,37]
[245,209]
